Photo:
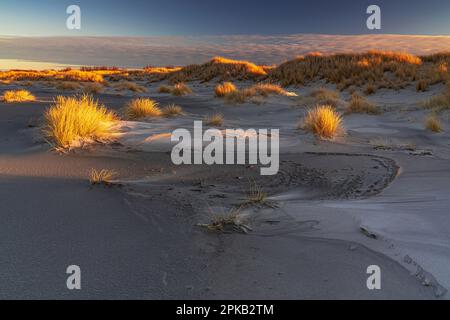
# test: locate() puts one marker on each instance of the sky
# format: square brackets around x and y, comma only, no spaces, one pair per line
[136,33]
[221,17]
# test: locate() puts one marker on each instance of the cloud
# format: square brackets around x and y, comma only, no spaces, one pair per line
[142,51]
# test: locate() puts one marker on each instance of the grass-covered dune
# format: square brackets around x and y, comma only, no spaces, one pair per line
[371,71]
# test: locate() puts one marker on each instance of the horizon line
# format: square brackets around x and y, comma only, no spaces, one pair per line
[225,35]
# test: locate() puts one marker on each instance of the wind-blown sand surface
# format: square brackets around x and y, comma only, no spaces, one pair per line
[340,207]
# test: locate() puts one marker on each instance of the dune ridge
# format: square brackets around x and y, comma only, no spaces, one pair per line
[372,69]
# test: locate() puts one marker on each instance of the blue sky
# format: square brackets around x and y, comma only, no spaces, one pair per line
[211,17]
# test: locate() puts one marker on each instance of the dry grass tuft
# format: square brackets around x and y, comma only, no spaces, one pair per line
[26,84]
[422,85]
[128,85]
[226,222]
[165,89]
[172,110]
[68,85]
[257,90]
[370,89]
[181,89]
[93,88]
[359,104]
[266,89]
[142,108]
[214,120]
[71,121]
[433,124]
[256,196]
[326,97]
[12,96]
[238,96]
[439,102]
[225,89]
[323,121]
[102,177]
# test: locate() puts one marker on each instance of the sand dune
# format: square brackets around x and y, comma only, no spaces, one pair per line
[336,206]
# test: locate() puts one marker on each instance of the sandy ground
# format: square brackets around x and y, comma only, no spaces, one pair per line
[338,207]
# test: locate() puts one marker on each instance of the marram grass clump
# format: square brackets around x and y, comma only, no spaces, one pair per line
[433,124]
[73,121]
[179,89]
[172,110]
[224,89]
[323,121]
[359,104]
[142,108]
[260,90]
[12,96]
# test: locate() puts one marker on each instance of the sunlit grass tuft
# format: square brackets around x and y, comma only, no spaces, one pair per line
[12,96]
[71,121]
[141,108]
[258,90]
[102,177]
[323,121]
[266,89]
[224,89]
[181,89]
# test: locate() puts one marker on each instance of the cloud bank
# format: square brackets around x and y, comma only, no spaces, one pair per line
[142,51]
